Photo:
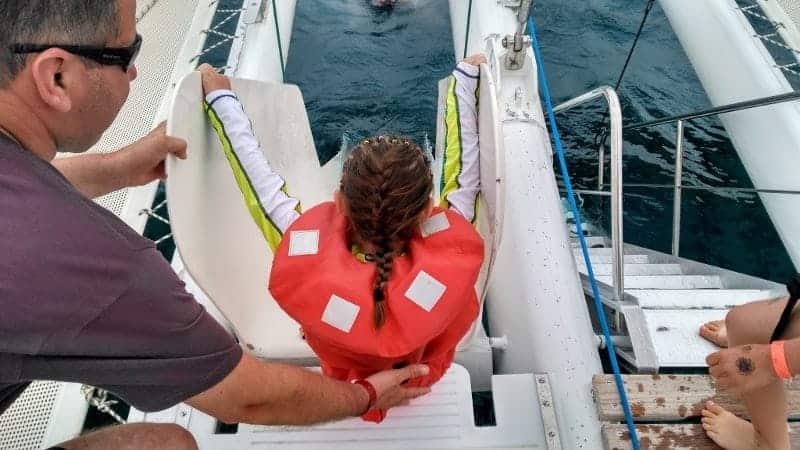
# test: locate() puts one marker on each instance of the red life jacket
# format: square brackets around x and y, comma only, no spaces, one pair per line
[431,301]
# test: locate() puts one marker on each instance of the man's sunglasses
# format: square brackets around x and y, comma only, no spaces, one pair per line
[123,57]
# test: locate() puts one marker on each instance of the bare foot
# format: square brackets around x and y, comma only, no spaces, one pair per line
[728,431]
[715,332]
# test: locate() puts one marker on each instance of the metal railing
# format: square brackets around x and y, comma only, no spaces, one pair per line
[680,121]
[615,119]
[616,183]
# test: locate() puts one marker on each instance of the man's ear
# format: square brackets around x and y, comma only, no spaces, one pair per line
[51,71]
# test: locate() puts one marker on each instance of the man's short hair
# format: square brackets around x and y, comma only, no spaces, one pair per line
[68,22]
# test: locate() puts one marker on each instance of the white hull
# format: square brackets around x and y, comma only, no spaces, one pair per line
[734,66]
[535,297]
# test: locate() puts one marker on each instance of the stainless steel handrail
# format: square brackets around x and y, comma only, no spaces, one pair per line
[680,120]
[615,118]
[677,186]
[676,198]
[732,107]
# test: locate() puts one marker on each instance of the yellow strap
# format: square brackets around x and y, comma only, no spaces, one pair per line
[451,164]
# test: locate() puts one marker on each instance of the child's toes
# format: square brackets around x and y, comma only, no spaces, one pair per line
[714,408]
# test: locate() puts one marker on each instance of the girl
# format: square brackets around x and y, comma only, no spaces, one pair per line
[378,278]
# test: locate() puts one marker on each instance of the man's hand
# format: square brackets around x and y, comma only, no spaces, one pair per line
[143,161]
[475,60]
[213,80]
[98,174]
[388,386]
[742,369]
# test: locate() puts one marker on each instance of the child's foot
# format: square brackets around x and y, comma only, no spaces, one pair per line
[727,430]
[715,332]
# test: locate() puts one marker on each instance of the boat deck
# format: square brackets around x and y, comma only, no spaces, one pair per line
[441,420]
[666,409]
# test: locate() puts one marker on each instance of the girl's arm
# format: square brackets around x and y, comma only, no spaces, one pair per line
[461,181]
[264,191]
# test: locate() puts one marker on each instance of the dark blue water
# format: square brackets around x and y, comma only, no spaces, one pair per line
[584,45]
[365,70]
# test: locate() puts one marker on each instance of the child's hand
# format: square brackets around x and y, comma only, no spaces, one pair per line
[213,80]
[475,60]
[742,369]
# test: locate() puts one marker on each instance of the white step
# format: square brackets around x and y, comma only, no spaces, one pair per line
[668,281]
[588,229]
[591,242]
[699,298]
[603,256]
[633,269]
[442,419]
[675,338]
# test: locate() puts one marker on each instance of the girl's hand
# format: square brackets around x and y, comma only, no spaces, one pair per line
[475,60]
[213,80]
[742,369]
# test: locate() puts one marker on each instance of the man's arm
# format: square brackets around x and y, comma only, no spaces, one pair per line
[95,175]
[263,393]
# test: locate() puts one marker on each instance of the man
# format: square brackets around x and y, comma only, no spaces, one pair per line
[85,299]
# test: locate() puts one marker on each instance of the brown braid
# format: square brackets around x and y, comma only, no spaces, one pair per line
[387,183]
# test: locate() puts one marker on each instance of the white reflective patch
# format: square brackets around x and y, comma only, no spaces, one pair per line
[435,224]
[425,291]
[304,243]
[340,313]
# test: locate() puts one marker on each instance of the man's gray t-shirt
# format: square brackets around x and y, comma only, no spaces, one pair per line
[84,298]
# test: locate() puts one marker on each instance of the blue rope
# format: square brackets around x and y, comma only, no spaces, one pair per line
[280,46]
[466,34]
[579,228]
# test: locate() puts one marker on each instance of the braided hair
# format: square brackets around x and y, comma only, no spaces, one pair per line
[386,183]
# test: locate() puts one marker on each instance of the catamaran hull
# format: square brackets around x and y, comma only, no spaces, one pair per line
[535,296]
[733,65]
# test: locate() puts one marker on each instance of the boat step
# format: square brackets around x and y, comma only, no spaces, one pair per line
[591,242]
[671,282]
[444,417]
[588,230]
[633,269]
[671,398]
[672,436]
[698,298]
[674,334]
[603,256]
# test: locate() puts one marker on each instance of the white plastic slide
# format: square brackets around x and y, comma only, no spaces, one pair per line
[220,245]
[492,199]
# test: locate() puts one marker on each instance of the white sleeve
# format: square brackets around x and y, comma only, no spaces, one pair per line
[461,166]
[264,190]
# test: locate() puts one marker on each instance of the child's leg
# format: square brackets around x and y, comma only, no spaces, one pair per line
[753,323]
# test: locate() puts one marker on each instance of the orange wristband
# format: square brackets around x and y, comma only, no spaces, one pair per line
[779,363]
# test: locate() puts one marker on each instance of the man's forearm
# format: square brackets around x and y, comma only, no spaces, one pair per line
[94,175]
[299,397]
[263,393]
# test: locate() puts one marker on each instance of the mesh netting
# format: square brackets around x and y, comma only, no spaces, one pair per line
[25,423]
[792,8]
[164,25]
